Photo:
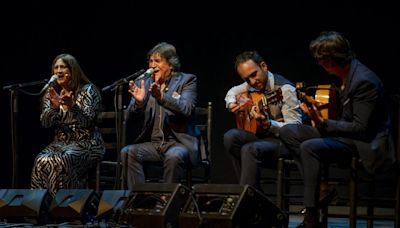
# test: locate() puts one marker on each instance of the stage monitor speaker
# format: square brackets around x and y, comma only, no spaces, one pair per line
[155,205]
[111,205]
[24,205]
[226,205]
[74,205]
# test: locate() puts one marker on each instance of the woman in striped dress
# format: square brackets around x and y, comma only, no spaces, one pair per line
[70,106]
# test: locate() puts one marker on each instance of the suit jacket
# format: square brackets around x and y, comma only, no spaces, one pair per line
[365,118]
[179,102]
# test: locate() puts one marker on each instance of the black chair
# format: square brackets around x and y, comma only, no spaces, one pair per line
[364,192]
[374,186]
[200,173]
[377,191]
[108,170]
[283,184]
[289,185]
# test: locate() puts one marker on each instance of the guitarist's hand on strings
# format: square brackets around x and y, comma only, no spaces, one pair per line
[313,112]
[233,107]
[243,102]
[261,118]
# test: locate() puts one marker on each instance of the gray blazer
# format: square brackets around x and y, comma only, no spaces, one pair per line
[179,102]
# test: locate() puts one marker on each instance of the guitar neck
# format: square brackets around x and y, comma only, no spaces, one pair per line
[309,100]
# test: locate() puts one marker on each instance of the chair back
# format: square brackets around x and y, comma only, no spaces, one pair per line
[108,171]
[395,118]
[201,173]
[203,122]
[107,127]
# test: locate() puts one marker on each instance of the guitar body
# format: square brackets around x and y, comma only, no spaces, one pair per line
[243,119]
[246,101]
[327,96]
[325,100]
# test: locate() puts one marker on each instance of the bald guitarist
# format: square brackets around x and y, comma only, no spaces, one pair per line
[269,101]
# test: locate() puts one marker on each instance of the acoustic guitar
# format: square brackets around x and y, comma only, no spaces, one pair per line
[247,100]
[325,101]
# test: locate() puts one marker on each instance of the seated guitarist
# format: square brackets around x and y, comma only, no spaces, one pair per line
[259,147]
[361,128]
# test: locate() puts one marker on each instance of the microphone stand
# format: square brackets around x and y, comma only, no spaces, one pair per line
[14,88]
[123,80]
[118,87]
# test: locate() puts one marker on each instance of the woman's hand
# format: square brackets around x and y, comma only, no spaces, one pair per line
[67,99]
[54,98]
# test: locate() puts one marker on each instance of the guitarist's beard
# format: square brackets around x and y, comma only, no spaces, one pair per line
[259,86]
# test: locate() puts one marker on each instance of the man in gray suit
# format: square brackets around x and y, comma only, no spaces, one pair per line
[164,104]
[361,129]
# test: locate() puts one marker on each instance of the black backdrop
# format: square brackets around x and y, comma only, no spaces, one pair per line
[111,39]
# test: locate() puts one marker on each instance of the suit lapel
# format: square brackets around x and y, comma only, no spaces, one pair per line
[173,84]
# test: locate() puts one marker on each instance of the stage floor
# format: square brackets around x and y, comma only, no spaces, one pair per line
[294,220]
[342,220]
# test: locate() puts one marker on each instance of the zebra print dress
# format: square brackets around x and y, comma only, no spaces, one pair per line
[76,146]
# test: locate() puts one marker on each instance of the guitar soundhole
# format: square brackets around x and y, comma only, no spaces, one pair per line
[262,101]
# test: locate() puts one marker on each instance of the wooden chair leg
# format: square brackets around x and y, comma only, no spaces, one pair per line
[324,209]
[189,176]
[98,176]
[324,216]
[353,193]
[279,184]
[370,205]
[397,199]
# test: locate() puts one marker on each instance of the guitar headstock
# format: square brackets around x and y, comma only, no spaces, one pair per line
[321,94]
[301,91]
[302,96]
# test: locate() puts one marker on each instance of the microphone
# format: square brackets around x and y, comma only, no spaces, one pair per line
[52,79]
[147,73]
[137,75]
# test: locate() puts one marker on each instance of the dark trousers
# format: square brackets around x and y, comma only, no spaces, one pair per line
[311,151]
[249,152]
[173,155]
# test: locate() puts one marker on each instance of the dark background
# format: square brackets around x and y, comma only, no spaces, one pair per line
[110,39]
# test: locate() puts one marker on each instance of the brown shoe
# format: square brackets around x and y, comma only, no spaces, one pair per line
[326,196]
[311,219]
